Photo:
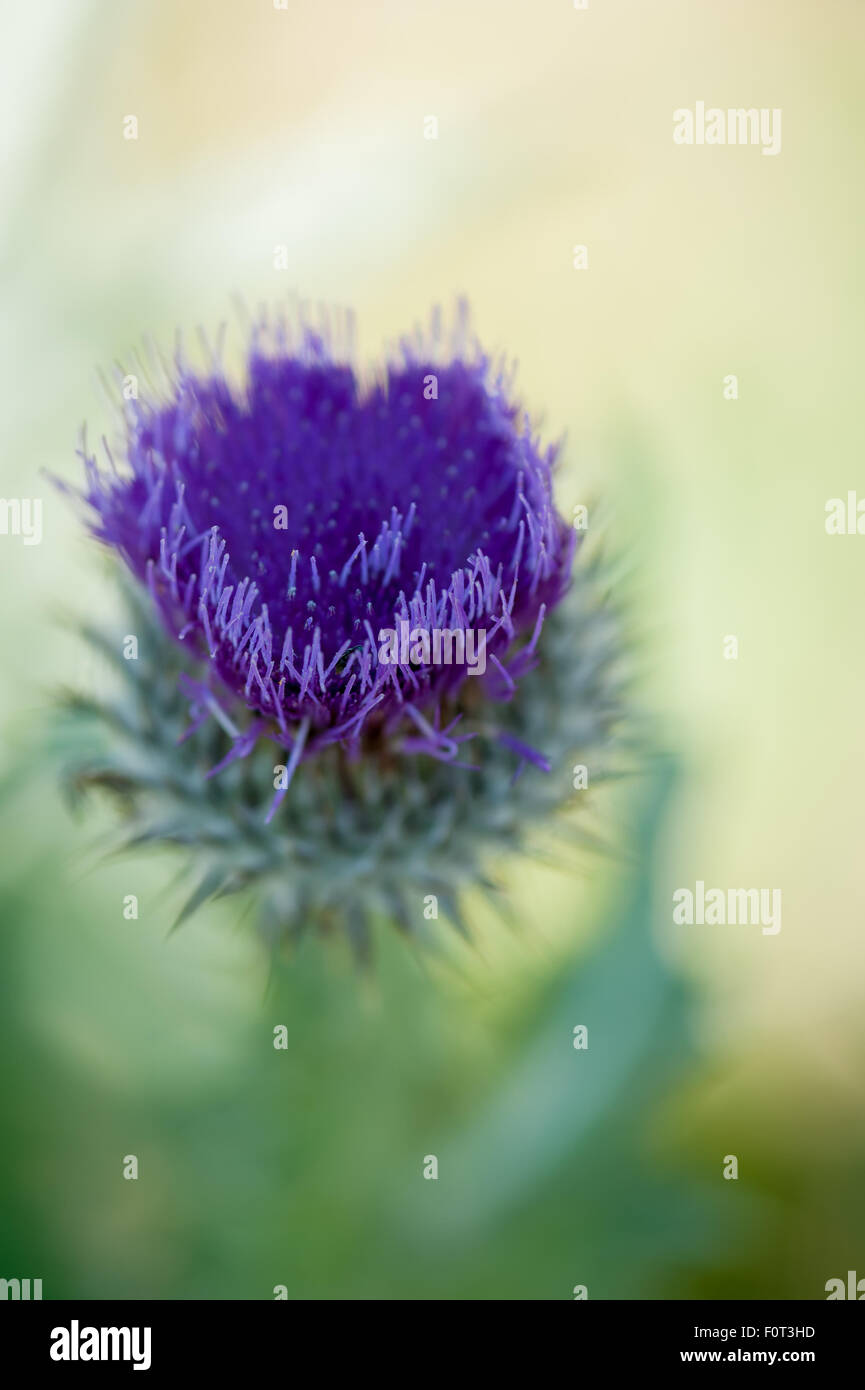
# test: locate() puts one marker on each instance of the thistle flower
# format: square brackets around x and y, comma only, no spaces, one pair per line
[324,563]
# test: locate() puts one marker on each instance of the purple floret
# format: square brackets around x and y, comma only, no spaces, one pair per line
[434,511]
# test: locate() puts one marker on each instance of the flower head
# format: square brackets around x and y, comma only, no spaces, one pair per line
[290,530]
[325,561]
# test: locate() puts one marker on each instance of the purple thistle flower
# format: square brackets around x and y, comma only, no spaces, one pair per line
[284,527]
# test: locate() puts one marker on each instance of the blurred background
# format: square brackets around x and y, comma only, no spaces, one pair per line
[303,128]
